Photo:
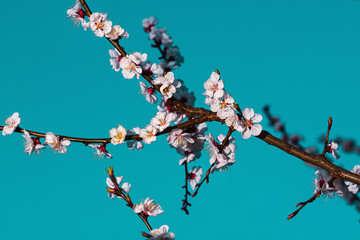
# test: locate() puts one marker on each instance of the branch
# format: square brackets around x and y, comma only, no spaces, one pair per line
[327,137]
[223,144]
[185,201]
[86,141]
[117,191]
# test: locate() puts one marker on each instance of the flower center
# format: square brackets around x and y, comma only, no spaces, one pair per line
[215,88]
[100,25]
[191,176]
[223,104]
[151,90]
[248,123]
[81,13]
[118,136]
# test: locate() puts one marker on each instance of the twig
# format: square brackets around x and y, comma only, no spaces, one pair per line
[223,144]
[117,191]
[327,137]
[302,204]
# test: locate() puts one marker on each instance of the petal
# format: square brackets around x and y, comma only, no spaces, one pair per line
[248,113]
[246,133]
[256,129]
[257,118]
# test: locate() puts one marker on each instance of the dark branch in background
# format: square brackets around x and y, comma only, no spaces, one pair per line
[187,193]
[347,145]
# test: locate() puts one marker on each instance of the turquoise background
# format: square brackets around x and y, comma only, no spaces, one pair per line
[301,57]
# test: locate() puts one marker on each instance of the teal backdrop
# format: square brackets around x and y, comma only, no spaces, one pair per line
[301,57]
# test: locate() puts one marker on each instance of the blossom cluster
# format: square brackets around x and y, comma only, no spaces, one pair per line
[223,154]
[98,23]
[224,105]
[148,208]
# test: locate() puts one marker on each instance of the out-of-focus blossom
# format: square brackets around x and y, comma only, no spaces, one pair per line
[134,144]
[322,186]
[353,187]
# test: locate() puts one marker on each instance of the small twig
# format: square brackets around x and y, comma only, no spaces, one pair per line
[327,136]
[117,191]
[223,144]
[303,204]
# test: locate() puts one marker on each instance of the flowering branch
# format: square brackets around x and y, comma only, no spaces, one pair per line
[223,144]
[119,192]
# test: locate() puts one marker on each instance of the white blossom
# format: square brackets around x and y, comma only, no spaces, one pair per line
[31,144]
[58,143]
[11,124]
[99,25]
[332,148]
[130,65]
[168,79]
[167,90]
[148,134]
[117,135]
[214,86]
[148,92]
[195,176]
[247,127]
[162,233]
[100,150]
[223,107]
[322,186]
[117,33]
[179,139]
[156,69]
[77,14]
[148,208]
[162,120]
[148,23]
[125,187]
[353,187]
[115,60]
